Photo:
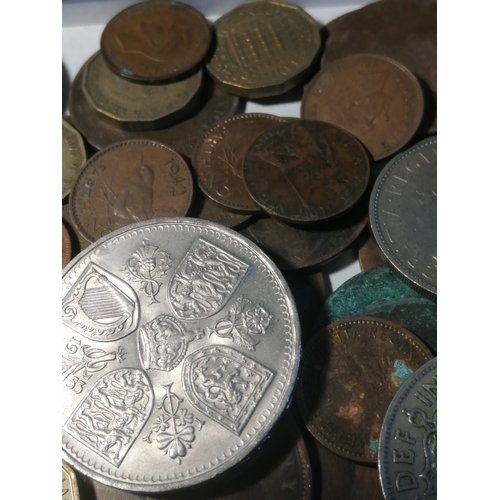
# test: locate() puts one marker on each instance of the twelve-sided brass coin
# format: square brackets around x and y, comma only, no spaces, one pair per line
[74,156]
[180,349]
[154,41]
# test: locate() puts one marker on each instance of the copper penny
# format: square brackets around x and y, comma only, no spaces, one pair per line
[154,41]
[369,254]
[264,48]
[78,242]
[66,246]
[218,159]
[404,31]
[351,371]
[214,106]
[375,98]
[301,247]
[128,182]
[306,171]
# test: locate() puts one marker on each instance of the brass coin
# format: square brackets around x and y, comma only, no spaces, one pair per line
[218,159]
[129,182]
[404,31]
[306,171]
[375,98]
[69,483]
[133,102]
[351,371]
[66,246]
[154,41]
[263,48]
[74,155]
[214,106]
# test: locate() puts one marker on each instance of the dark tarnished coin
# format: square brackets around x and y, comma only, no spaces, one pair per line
[205,208]
[404,31]
[218,159]
[342,479]
[138,103]
[74,155]
[375,98]
[408,440]
[154,41]
[69,483]
[180,349]
[129,182]
[403,215]
[214,106]
[369,254]
[263,48]
[306,171]
[351,370]
[78,242]
[66,246]
[293,247]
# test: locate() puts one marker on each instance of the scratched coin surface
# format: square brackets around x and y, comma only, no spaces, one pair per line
[405,32]
[214,106]
[376,99]
[139,103]
[403,215]
[218,159]
[351,370]
[74,156]
[408,441]
[306,171]
[180,349]
[263,48]
[128,182]
[154,41]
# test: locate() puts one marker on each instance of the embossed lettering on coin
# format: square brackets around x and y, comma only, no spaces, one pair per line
[100,306]
[204,281]
[111,416]
[225,384]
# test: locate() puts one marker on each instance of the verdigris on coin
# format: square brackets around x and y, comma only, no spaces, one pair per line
[180,350]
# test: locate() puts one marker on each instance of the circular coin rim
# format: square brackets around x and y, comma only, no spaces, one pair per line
[293,363]
[81,146]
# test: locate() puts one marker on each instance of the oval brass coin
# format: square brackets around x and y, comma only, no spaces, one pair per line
[154,41]
[376,99]
[351,371]
[263,48]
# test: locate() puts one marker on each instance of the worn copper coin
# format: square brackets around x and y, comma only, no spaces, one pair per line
[66,246]
[369,254]
[78,242]
[306,171]
[214,106]
[404,31]
[154,41]
[403,215]
[138,103]
[375,98]
[408,441]
[301,247]
[128,182]
[74,155]
[218,159]
[351,371]
[263,48]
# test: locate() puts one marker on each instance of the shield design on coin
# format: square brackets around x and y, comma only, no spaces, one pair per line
[101,306]
[162,343]
[225,385]
[204,281]
[112,415]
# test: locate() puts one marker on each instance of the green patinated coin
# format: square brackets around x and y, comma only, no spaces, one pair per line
[380,293]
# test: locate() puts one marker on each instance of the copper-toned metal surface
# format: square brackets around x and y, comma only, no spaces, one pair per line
[306,171]
[66,246]
[351,371]
[129,182]
[375,98]
[154,41]
[218,159]
[369,254]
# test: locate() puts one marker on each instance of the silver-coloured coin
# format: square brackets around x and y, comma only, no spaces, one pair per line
[181,346]
[403,215]
[407,458]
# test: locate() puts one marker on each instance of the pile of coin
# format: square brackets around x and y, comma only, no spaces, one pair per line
[199,233]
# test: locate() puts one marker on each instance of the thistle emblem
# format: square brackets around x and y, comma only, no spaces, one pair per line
[146,265]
